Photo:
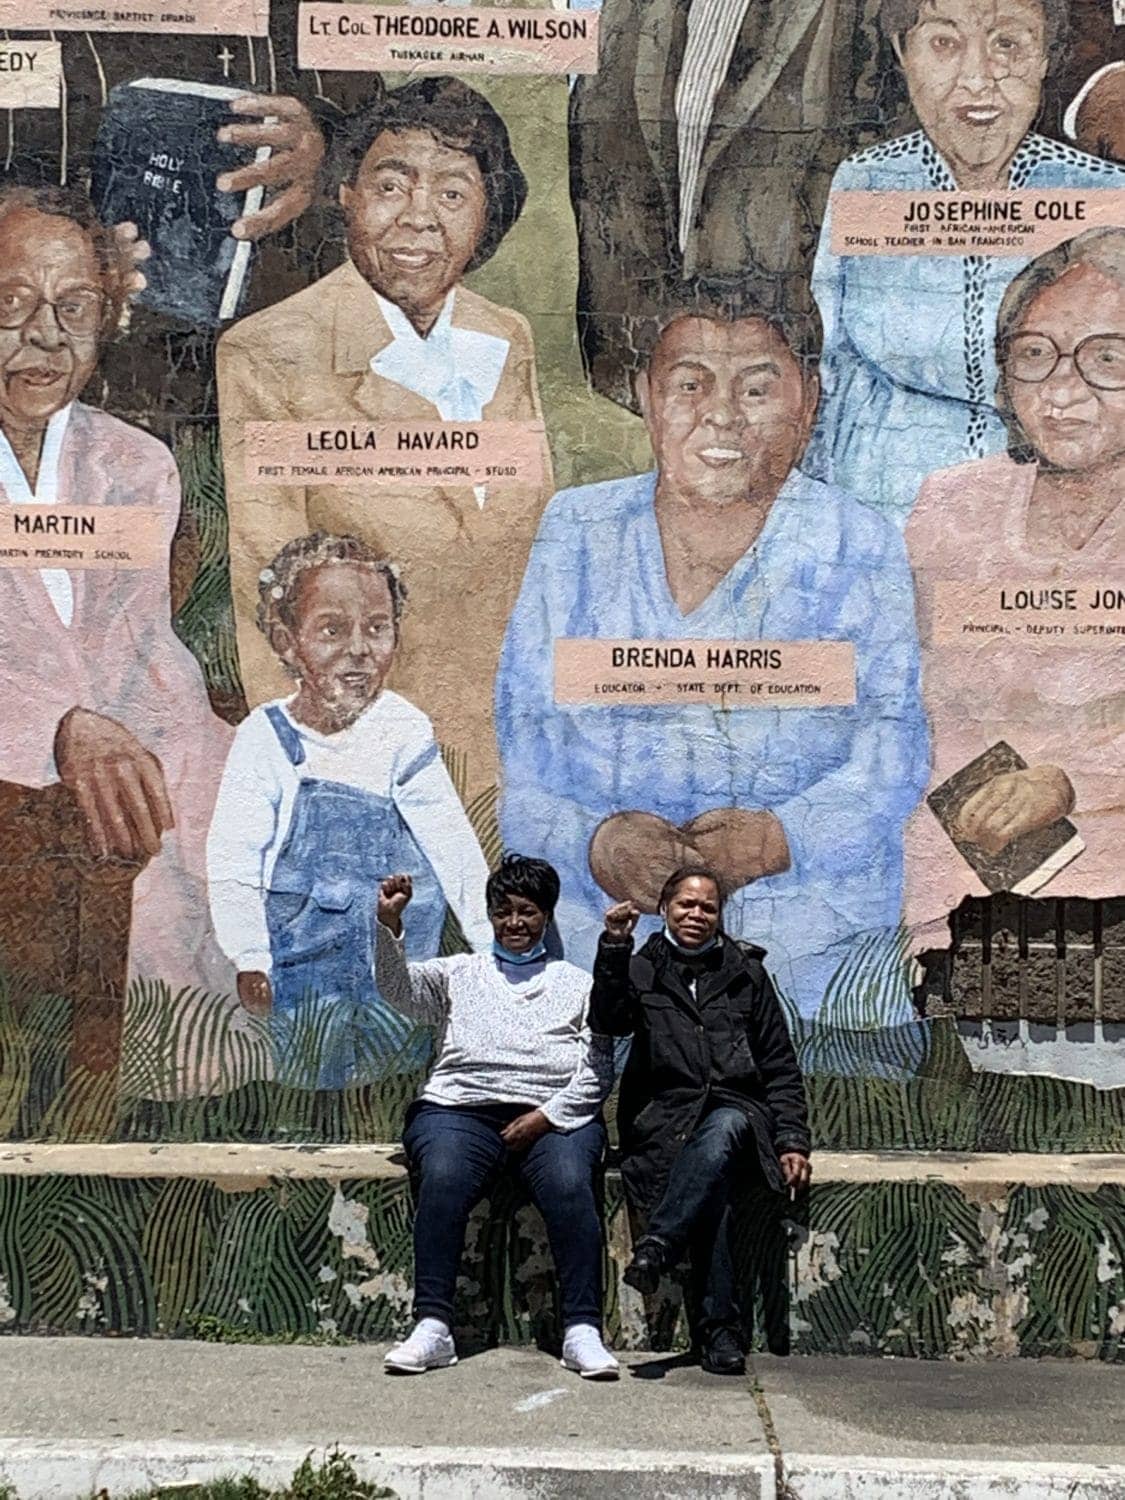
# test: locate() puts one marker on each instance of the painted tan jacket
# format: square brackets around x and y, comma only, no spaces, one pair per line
[307,359]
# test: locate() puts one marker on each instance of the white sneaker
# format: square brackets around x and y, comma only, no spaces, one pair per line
[584,1352]
[429,1347]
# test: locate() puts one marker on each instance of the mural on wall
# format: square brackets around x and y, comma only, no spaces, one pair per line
[323,793]
[633,435]
[895,1268]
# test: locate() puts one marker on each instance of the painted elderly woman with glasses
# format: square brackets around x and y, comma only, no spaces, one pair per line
[1021,593]
[96,691]
[907,373]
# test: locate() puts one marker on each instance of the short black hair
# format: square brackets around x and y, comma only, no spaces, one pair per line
[456,116]
[689,872]
[737,300]
[519,875]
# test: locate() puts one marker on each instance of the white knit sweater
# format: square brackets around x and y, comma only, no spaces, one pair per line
[508,1033]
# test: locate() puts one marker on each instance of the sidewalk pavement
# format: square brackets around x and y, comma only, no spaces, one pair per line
[82,1415]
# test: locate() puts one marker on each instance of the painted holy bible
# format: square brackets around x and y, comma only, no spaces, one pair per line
[1027,862]
[156,161]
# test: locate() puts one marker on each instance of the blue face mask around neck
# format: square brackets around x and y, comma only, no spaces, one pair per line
[506,956]
[712,942]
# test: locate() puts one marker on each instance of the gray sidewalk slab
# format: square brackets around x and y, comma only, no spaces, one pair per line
[1016,1410]
[149,1388]
[79,1415]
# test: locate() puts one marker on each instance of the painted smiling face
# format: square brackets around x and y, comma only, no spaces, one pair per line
[1073,424]
[975,72]
[51,315]
[728,408]
[340,645]
[415,215]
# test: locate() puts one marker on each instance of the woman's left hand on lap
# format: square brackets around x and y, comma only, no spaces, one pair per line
[525,1130]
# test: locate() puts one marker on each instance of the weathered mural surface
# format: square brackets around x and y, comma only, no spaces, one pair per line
[665,432]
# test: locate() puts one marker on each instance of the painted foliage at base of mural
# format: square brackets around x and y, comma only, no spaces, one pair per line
[689,433]
[894,1268]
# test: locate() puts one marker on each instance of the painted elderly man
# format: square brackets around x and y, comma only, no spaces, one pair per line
[799,809]
[96,690]
[429,187]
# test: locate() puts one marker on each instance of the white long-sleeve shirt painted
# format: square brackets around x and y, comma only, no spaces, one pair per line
[255,807]
[507,1033]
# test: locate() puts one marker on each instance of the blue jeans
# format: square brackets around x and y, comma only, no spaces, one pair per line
[456,1154]
[694,1215]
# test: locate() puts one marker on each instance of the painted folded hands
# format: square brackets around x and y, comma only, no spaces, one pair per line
[633,853]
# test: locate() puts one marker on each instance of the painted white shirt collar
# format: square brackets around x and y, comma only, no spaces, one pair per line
[455,369]
[57,581]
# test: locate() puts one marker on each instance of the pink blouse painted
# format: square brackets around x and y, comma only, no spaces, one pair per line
[1056,698]
[102,639]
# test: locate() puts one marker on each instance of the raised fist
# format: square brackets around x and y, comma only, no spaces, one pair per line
[620,921]
[394,897]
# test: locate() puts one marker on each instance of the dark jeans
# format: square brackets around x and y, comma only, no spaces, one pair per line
[456,1154]
[694,1214]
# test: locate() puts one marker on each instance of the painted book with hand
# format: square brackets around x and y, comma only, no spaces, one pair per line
[1027,862]
[156,161]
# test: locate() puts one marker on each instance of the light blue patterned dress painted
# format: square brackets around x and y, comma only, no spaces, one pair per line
[909,368]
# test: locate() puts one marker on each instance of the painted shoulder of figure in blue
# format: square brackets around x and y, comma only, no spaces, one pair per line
[912,162]
[591,513]
[834,528]
[907,161]
[1044,163]
[576,555]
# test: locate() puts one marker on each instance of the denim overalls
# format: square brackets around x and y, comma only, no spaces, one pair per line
[330,1025]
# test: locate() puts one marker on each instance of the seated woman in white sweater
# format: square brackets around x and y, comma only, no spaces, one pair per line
[518,1075]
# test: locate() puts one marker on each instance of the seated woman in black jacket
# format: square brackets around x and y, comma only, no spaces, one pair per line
[711,1091]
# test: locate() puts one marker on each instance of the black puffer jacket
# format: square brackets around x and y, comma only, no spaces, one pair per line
[725,1044]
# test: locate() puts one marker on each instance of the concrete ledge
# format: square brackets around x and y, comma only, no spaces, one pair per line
[813,1478]
[236,1161]
[67,1471]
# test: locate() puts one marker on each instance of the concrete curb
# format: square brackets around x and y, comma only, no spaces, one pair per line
[811,1477]
[49,1470]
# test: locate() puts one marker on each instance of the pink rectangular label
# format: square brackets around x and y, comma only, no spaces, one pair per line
[395,453]
[1085,612]
[1024,223]
[725,674]
[186,17]
[30,75]
[445,38]
[82,536]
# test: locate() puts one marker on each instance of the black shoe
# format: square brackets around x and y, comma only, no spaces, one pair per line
[723,1354]
[649,1262]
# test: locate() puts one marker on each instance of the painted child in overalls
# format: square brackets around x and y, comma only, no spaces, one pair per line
[323,794]
[340,842]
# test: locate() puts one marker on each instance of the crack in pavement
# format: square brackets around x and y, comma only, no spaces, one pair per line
[782,1488]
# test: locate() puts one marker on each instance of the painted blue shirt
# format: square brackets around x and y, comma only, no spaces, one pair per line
[909,368]
[841,780]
